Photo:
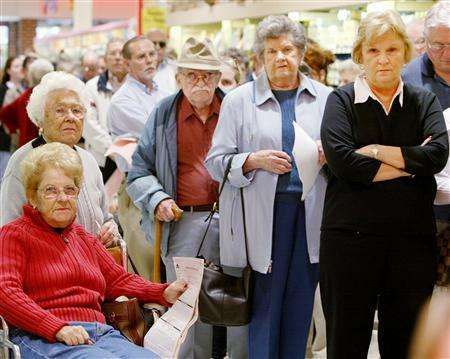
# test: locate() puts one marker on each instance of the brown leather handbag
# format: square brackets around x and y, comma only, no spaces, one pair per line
[116,253]
[127,318]
[225,300]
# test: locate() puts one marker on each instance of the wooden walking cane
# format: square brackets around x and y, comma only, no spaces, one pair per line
[177,212]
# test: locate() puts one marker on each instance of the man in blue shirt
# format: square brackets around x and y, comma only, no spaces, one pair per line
[132,104]
[128,112]
[432,69]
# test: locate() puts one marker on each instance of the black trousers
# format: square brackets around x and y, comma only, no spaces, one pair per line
[359,272]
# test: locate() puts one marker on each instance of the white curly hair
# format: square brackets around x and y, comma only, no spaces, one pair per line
[37,70]
[56,80]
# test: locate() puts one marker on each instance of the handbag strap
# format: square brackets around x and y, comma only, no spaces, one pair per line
[210,216]
[132,264]
[244,222]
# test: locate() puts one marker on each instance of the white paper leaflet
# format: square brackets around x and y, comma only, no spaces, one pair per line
[168,333]
[306,156]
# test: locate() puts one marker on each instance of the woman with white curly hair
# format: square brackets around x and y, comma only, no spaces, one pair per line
[58,106]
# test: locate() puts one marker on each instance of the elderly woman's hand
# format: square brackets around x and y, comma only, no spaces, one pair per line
[174,290]
[108,234]
[73,335]
[273,161]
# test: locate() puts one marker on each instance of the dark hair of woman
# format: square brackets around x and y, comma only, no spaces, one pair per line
[319,59]
[5,77]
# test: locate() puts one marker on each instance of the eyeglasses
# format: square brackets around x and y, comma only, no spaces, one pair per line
[51,192]
[63,111]
[160,44]
[438,47]
[194,77]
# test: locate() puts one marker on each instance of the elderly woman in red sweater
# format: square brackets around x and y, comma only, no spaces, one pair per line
[54,276]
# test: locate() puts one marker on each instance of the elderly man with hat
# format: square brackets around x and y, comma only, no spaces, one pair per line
[168,171]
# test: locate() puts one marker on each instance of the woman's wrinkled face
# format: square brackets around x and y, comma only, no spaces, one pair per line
[56,198]
[383,59]
[63,119]
[281,58]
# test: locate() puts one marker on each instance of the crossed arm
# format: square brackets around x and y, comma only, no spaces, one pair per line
[391,158]
[374,162]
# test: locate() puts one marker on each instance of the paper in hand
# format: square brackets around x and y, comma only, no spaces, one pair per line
[306,156]
[168,333]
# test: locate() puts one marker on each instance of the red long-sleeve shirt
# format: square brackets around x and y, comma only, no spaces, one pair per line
[48,278]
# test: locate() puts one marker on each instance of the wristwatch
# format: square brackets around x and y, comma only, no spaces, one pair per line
[374,151]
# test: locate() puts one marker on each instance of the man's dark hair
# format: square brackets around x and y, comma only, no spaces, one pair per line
[8,64]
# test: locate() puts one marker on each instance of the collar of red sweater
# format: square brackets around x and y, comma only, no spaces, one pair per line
[35,217]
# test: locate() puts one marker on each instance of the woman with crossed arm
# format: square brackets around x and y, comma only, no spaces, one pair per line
[383,141]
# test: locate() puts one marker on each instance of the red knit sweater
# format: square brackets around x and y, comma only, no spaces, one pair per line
[48,278]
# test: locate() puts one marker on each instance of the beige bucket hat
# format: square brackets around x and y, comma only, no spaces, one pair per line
[199,55]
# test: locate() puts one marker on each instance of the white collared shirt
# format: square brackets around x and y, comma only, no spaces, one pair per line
[130,109]
[363,92]
[131,106]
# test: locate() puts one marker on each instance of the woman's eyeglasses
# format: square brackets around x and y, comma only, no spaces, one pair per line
[51,192]
[63,111]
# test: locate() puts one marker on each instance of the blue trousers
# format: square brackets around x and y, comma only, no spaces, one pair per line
[283,299]
[109,343]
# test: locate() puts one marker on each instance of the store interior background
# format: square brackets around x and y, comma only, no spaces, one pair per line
[53,27]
